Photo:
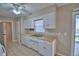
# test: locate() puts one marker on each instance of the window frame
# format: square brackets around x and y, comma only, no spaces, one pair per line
[43,25]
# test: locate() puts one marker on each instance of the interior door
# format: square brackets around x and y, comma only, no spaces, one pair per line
[8,34]
[1,34]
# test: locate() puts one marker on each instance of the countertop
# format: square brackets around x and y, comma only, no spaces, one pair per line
[45,37]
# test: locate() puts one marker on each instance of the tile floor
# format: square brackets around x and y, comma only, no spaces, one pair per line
[20,50]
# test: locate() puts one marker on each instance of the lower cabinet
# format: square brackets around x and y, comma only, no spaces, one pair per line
[43,47]
[34,44]
[26,42]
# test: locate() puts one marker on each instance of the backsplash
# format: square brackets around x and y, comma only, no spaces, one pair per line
[47,32]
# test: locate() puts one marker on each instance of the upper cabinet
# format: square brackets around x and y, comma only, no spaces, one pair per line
[49,21]
[28,23]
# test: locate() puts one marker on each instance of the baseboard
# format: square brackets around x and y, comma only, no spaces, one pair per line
[59,54]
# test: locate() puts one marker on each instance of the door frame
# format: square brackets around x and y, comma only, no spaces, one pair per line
[74,13]
[3,21]
[19,34]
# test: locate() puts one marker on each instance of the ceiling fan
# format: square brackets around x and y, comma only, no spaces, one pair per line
[17,8]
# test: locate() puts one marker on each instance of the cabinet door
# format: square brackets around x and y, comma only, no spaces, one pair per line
[45,49]
[50,20]
[25,23]
[28,23]
[35,44]
[32,23]
[25,41]
[30,42]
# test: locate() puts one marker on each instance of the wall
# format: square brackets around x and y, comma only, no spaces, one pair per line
[64,25]
[44,11]
[19,29]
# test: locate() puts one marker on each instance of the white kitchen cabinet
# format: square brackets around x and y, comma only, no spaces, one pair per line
[45,48]
[32,43]
[25,23]
[50,20]
[35,44]
[28,23]
[25,41]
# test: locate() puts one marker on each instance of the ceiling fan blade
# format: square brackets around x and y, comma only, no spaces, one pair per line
[16,6]
[23,8]
[26,11]
[6,5]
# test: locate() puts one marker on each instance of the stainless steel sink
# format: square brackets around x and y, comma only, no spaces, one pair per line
[37,35]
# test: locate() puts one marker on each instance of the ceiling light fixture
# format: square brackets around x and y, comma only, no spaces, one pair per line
[16,11]
[19,9]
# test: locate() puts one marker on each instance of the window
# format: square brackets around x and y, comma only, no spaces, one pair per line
[39,26]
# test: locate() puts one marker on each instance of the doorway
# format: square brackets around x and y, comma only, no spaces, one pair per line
[7,34]
[76,47]
[75,33]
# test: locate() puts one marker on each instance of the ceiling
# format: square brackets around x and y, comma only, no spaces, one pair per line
[31,7]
